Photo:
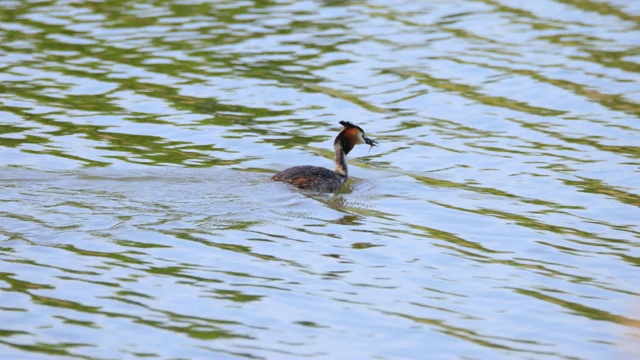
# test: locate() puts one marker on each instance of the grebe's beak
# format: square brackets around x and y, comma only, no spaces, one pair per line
[370,142]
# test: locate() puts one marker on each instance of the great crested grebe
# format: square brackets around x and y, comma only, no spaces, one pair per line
[321,179]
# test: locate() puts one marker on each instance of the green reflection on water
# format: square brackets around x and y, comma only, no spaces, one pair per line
[595,186]
[56,107]
[470,335]
[603,8]
[473,93]
[48,348]
[95,61]
[236,296]
[577,308]
[20,285]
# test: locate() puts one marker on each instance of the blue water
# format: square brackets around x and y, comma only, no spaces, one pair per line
[498,217]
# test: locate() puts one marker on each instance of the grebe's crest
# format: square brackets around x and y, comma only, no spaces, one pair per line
[351,135]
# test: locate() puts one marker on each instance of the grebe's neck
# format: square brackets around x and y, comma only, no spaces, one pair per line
[341,161]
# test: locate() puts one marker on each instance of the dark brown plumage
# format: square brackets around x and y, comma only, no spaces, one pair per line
[309,177]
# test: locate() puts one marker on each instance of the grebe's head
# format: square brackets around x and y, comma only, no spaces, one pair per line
[351,135]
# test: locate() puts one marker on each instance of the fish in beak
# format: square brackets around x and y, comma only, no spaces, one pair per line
[370,142]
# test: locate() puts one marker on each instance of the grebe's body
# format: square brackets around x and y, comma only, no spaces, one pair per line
[321,179]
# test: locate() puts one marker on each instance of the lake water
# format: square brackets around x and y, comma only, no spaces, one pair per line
[498,218]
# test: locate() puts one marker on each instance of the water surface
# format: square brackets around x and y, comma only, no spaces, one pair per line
[498,218]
